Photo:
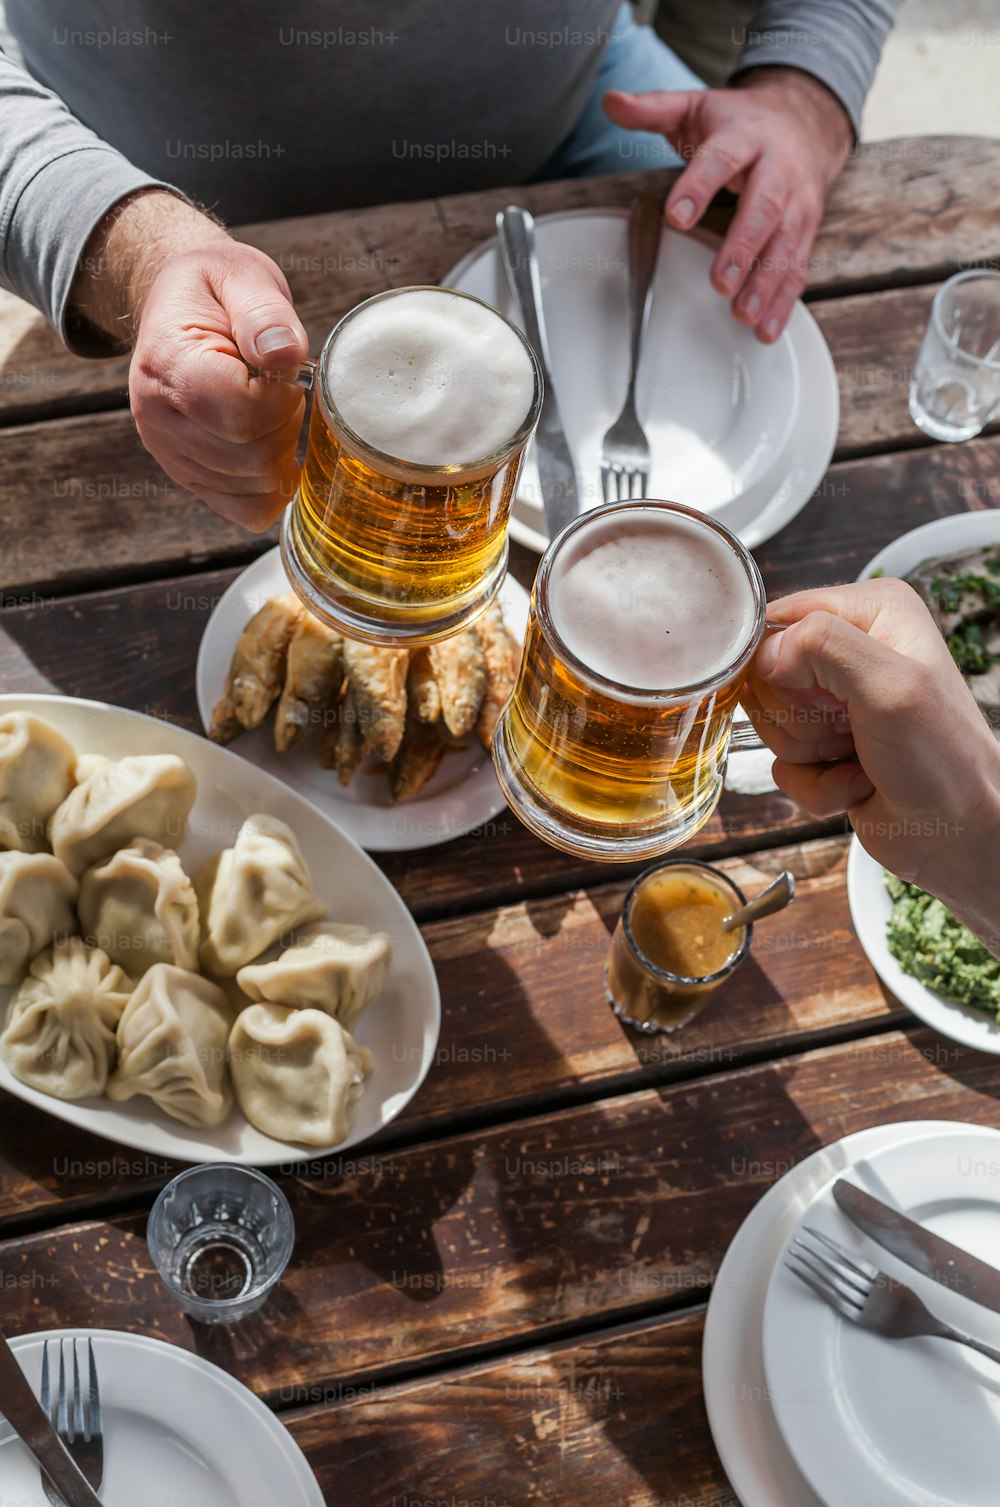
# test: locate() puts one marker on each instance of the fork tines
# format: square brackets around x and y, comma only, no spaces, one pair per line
[78,1417]
[620,484]
[830,1271]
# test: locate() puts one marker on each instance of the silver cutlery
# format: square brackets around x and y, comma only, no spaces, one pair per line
[925,1252]
[862,1294]
[77,1418]
[625,451]
[779,893]
[556,468]
[25,1414]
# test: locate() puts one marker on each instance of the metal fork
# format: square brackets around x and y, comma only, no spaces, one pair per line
[77,1419]
[860,1292]
[625,451]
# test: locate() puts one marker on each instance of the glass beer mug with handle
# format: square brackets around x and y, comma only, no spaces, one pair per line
[424,403]
[644,619]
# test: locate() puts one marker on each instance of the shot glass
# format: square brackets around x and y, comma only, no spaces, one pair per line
[220,1237]
[955,388]
[641,992]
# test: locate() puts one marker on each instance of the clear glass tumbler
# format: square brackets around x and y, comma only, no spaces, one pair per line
[220,1237]
[955,388]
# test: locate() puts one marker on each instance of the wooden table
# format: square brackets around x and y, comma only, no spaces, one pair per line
[501,1300]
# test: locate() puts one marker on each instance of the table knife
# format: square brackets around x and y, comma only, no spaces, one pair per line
[936,1258]
[556,470]
[25,1414]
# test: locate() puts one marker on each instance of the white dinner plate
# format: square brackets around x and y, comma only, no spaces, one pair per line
[176,1430]
[741,430]
[901,1423]
[462,796]
[401,1026]
[743,1423]
[944,536]
[871,907]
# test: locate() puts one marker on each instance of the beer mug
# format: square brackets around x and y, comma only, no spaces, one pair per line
[424,404]
[644,619]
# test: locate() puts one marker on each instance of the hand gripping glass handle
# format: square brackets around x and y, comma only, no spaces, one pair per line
[744,737]
[303,375]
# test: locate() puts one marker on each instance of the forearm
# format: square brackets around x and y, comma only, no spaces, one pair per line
[838,42]
[57,181]
[964,873]
[123,256]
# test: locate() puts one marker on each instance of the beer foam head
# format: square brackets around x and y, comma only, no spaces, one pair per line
[430,378]
[651,599]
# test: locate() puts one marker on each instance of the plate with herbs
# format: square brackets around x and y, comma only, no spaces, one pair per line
[954,564]
[924,955]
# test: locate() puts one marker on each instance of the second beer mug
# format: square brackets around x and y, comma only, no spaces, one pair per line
[644,619]
[425,402]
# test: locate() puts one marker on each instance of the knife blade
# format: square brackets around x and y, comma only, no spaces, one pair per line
[936,1258]
[24,1413]
[556,468]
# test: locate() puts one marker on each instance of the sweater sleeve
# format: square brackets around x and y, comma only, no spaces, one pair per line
[838,41]
[57,182]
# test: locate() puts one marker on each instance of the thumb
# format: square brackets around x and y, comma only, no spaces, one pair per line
[661,112]
[265,326]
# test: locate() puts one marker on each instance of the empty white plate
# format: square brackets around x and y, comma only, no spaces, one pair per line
[177,1430]
[736,428]
[901,1423]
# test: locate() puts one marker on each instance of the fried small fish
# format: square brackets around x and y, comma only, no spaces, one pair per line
[417,757]
[257,672]
[313,680]
[459,666]
[377,681]
[502,656]
[422,688]
[343,748]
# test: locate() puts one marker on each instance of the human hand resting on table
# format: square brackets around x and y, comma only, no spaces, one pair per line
[778,138]
[860,675]
[159,274]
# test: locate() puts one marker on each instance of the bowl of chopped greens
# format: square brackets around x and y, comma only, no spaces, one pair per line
[954,564]
[923,955]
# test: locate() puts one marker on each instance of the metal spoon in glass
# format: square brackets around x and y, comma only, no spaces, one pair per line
[774,898]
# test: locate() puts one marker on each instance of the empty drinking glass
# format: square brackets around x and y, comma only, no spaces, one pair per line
[220,1237]
[955,389]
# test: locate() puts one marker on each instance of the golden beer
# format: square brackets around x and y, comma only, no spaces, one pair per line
[644,619]
[425,404]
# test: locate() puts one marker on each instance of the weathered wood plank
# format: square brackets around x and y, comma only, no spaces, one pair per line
[525,1024]
[618,1418]
[941,190]
[89,484]
[431,1253]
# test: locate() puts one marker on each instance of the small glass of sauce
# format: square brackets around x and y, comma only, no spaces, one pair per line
[669,950]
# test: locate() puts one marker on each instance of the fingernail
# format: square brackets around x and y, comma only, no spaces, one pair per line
[752,305]
[767,655]
[683,211]
[772,328]
[277,337]
[730,276]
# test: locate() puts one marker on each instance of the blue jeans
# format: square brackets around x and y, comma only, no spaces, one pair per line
[638,62]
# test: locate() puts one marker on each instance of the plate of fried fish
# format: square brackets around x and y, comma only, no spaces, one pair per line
[393,744]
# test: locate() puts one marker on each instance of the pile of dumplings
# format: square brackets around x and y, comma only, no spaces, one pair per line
[130,979]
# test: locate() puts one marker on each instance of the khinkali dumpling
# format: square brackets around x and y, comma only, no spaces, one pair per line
[140,906]
[336,967]
[36,905]
[146,795]
[37,769]
[172,1046]
[60,1033]
[298,1075]
[251,893]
